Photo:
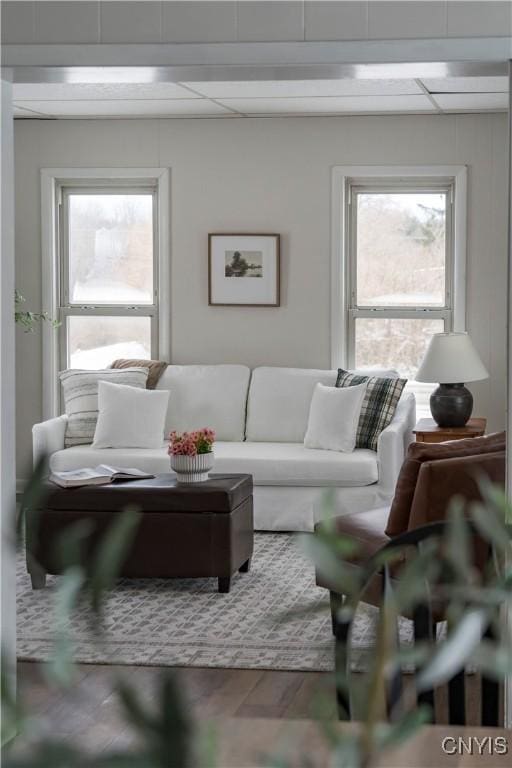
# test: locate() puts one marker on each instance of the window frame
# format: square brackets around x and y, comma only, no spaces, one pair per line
[67,308]
[356,310]
[343,249]
[57,185]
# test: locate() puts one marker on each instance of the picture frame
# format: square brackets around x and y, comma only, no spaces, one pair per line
[243,269]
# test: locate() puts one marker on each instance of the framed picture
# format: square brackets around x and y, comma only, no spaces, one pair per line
[243,270]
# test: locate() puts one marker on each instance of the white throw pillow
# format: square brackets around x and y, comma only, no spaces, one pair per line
[333,420]
[130,417]
[80,390]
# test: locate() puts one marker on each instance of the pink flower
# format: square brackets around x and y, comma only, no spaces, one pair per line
[191,443]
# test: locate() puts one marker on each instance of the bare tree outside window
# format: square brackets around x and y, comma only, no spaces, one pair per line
[400,243]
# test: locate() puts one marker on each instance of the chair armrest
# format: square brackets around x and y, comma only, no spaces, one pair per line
[48,437]
[439,481]
[393,443]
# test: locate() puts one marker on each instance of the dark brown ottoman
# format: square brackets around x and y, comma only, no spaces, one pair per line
[199,530]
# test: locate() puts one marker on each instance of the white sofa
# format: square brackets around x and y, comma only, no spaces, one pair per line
[260,419]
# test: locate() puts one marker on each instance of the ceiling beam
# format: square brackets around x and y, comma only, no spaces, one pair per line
[266,55]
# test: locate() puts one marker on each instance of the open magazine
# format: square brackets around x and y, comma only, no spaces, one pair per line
[100,475]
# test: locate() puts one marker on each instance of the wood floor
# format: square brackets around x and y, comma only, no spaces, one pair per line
[88,713]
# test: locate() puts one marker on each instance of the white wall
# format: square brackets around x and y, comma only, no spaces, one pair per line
[7,421]
[211,22]
[269,175]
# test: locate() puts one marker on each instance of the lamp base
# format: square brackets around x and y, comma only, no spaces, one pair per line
[451,405]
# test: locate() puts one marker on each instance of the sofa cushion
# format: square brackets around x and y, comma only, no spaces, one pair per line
[279,401]
[269,463]
[206,396]
[417,454]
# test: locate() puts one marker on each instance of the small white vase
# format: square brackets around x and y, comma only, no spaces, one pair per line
[192,469]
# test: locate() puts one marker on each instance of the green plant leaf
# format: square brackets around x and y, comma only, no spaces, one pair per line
[458,541]
[60,668]
[32,500]
[451,655]
[11,712]
[207,746]
[402,730]
[145,723]
[491,527]
[110,554]
[347,753]
[69,545]
[50,754]
[418,572]
[347,579]
[493,660]
[175,724]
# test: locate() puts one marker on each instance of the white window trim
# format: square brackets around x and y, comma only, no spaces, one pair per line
[51,178]
[339,254]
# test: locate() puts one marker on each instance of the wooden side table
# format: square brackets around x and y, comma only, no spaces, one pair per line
[427,431]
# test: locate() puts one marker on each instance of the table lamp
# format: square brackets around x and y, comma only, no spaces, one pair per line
[449,359]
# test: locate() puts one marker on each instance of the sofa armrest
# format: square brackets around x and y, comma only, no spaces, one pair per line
[48,437]
[394,441]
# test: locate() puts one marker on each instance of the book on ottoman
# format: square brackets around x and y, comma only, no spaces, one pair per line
[100,475]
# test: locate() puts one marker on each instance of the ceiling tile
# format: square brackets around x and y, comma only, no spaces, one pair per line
[143,108]
[467,84]
[309,88]
[93,91]
[351,104]
[472,101]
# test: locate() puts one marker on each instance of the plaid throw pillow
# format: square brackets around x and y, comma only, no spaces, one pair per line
[379,405]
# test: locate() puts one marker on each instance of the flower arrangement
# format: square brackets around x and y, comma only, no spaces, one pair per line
[191,443]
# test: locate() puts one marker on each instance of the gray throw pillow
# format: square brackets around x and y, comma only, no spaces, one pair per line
[379,405]
[80,390]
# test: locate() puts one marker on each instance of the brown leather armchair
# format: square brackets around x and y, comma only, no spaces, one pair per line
[432,474]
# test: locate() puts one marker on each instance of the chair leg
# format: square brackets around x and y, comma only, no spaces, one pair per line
[224,584]
[424,630]
[37,575]
[342,672]
[490,695]
[457,699]
[336,601]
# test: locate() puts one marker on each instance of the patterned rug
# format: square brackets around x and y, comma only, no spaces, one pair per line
[275,617]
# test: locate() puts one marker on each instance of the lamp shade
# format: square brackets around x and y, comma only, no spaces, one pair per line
[451,358]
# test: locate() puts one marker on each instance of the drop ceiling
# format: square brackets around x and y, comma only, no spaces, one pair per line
[260,97]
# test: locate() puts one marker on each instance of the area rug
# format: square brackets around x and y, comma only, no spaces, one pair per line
[275,617]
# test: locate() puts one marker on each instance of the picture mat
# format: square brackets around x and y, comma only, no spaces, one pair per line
[243,290]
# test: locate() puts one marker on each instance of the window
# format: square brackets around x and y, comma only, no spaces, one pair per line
[400,275]
[106,272]
[108,294]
